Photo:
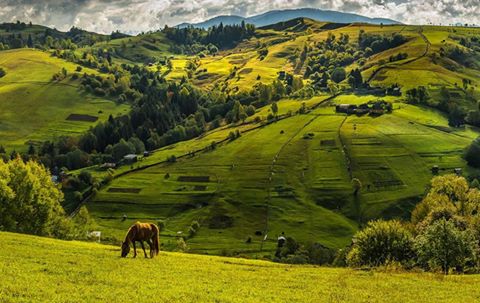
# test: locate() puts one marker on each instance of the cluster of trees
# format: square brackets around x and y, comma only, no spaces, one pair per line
[31,203]
[473,116]
[22,35]
[293,252]
[373,43]
[472,42]
[445,103]
[472,153]
[162,113]
[464,56]
[220,36]
[443,233]
[325,60]
[398,57]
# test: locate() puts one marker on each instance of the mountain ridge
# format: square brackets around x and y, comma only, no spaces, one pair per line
[276,16]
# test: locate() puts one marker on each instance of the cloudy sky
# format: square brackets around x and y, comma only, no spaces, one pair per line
[133,16]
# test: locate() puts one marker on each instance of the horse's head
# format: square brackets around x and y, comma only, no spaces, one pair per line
[125,249]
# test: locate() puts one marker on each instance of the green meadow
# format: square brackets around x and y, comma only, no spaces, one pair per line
[34,108]
[40,269]
[292,176]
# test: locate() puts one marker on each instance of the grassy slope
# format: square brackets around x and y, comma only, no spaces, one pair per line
[310,189]
[35,108]
[40,270]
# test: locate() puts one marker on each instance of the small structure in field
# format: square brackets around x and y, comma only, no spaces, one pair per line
[108,165]
[95,235]
[458,171]
[346,108]
[131,158]
[435,169]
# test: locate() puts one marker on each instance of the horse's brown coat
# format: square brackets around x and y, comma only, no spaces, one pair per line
[140,232]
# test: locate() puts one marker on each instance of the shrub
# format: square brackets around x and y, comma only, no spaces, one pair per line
[181,245]
[2,72]
[472,152]
[161,224]
[379,243]
[443,245]
[30,201]
[78,196]
[86,177]
[193,229]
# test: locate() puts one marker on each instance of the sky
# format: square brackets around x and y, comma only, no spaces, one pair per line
[133,16]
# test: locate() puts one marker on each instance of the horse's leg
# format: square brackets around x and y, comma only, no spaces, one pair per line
[150,243]
[134,249]
[143,247]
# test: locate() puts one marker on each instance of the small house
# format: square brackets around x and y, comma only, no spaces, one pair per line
[131,158]
[282,74]
[458,171]
[146,154]
[345,108]
[108,165]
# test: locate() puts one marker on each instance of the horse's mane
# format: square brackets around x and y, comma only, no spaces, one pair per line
[130,233]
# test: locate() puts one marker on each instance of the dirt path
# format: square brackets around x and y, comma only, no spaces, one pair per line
[271,171]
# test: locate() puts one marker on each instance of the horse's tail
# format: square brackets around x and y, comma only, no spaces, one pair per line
[156,234]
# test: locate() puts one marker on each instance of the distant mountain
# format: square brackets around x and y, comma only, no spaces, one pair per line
[277,16]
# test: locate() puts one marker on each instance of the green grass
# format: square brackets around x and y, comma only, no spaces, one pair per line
[39,270]
[309,195]
[35,108]
[146,48]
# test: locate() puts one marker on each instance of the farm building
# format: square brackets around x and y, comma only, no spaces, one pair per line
[345,108]
[108,165]
[131,158]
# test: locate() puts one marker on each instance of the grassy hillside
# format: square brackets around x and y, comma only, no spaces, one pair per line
[40,270]
[293,176]
[35,108]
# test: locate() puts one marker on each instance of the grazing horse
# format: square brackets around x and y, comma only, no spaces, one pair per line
[141,232]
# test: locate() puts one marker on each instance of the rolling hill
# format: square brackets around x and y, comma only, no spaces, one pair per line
[275,178]
[277,16]
[34,108]
[40,269]
[292,174]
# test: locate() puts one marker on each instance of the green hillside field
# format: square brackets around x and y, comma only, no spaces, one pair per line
[293,175]
[37,269]
[34,108]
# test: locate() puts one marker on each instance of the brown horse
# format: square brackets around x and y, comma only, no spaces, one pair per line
[141,232]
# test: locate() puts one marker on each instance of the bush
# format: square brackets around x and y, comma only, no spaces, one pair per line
[472,154]
[442,246]
[78,196]
[181,245]
[86,177]
[379,243]
[30,201]
[161,224]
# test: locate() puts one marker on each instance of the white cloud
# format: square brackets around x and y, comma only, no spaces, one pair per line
[142,15]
